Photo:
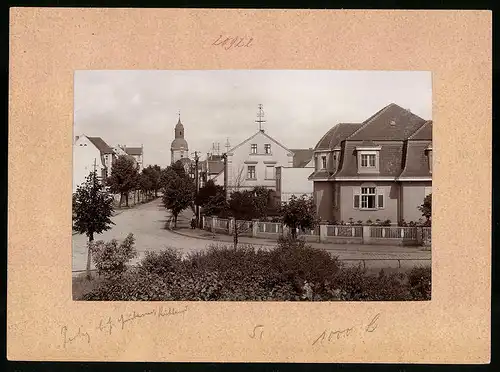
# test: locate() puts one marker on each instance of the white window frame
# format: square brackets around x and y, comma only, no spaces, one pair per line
[324,161]
[369,166]
[370,160]
[267,148]
[249,168]
[253,148]
[364,192]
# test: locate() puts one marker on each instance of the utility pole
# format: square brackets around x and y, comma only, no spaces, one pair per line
[224,157]
[197,183]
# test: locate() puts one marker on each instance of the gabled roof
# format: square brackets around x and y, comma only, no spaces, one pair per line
[301,157]
[255,135]
[101,145]
[392,123]
[423,133]
[336,134]
[133,150]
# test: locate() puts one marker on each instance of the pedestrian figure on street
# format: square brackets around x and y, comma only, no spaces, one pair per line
[193,223]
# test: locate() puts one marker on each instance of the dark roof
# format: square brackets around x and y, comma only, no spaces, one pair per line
[391,158]
[423,133]
[417,161]
[133,150]
[336,134]
[301,157]
[101,145]
[215,167]
[403,139]
[392,123]
[320,174]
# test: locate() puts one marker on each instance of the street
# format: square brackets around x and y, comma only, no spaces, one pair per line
[147,223]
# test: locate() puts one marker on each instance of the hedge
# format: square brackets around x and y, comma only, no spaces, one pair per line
[292,271]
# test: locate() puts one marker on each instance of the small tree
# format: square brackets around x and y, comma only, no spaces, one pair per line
[426,207]
[211,198]
[299,213]
[145,183]
[178,195]
[241,206]
[124,177]
[154,174]
[111,258]
[262,201]
[92,210]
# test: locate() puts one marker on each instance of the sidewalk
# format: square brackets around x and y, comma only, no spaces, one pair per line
[346,251]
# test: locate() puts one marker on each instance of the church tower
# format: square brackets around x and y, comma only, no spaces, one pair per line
[179,148]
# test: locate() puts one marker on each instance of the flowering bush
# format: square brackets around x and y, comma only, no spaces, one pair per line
[111,258]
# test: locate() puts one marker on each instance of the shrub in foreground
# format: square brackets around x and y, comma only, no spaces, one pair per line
[111,258]
[293,271]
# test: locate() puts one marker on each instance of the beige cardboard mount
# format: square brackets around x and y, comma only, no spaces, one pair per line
[48,44]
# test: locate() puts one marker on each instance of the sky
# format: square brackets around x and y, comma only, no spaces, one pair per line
[138,107]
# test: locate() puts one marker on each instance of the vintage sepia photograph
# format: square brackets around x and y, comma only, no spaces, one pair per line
[252,185]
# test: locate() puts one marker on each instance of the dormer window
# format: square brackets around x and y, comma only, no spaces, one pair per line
[368,159]
[323,162]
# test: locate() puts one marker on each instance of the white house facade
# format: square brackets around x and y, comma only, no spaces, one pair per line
[291,181]
[89,154]
[253,163]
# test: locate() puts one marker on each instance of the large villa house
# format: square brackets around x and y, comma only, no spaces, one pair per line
[380,169]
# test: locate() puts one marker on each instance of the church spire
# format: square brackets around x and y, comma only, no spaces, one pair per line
[179,128]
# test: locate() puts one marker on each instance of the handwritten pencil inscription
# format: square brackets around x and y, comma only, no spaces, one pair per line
[339,334]
[109,324]
[227,43]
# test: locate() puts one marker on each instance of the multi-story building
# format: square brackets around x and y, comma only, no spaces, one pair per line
[379,169]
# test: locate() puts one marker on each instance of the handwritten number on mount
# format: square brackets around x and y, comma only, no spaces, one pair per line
[344,333]
[373,324]
[232,42]
[257,329]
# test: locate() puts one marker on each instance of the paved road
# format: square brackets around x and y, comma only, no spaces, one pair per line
[147,223]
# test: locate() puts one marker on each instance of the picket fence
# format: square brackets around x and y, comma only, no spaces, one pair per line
[368,234]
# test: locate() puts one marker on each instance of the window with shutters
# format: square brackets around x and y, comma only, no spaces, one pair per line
[369,198]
